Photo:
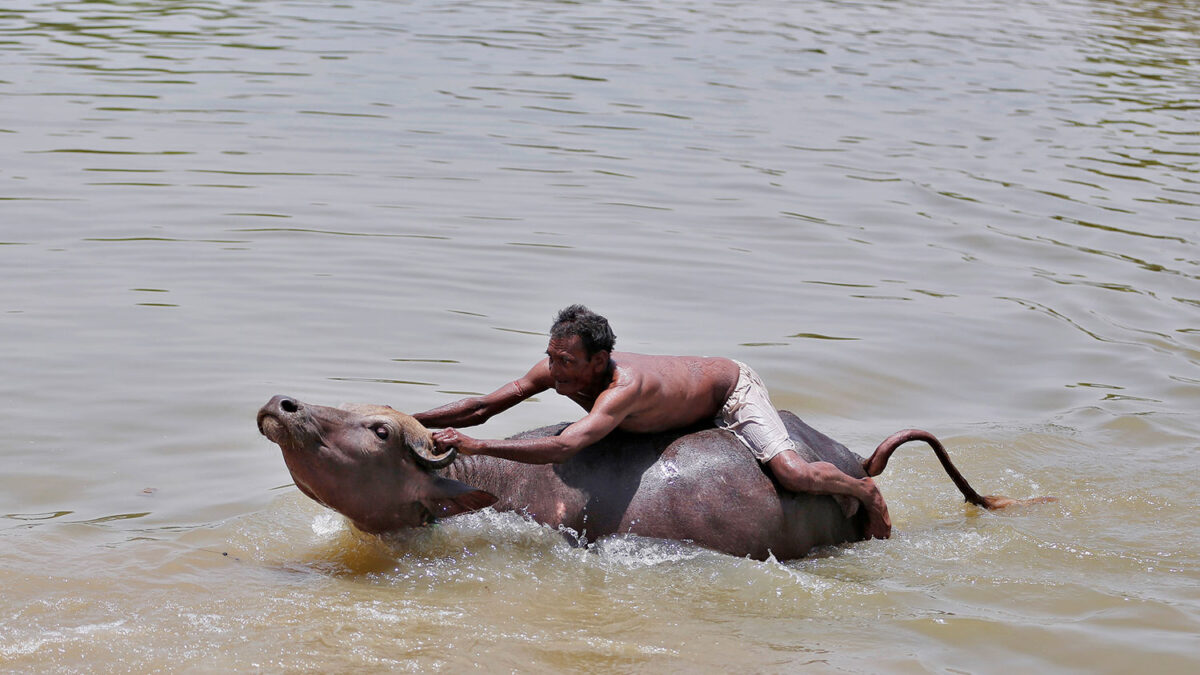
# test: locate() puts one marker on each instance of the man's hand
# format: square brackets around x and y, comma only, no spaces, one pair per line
[452,438]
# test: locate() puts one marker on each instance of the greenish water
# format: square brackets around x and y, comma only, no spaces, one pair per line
[976,218]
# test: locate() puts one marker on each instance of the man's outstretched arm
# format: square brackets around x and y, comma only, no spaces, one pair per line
[610,410]
[474,410]
[545,450]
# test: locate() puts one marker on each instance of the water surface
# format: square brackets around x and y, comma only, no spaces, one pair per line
[977,218]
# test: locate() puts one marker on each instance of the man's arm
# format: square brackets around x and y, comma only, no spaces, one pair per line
[474,410]
[611,408]
[545,450]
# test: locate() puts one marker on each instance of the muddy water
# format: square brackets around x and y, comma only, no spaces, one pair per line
[978,218]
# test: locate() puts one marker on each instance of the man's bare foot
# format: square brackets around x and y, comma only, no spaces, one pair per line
[878,528]
[879,523]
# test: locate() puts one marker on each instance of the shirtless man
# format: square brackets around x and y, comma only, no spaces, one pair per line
[641,393]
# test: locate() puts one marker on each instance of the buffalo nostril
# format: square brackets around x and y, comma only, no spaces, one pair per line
[289,406]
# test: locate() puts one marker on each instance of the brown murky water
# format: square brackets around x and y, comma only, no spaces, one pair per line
[978,218]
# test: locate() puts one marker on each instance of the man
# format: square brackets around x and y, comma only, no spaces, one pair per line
[641,393]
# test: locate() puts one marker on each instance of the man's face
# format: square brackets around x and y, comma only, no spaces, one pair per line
[570,366]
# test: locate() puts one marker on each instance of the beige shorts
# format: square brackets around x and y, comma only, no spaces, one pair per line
[750,416]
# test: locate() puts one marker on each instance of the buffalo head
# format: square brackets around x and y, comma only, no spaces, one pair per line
[370,463]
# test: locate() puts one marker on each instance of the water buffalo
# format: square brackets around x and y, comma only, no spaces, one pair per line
[375,466]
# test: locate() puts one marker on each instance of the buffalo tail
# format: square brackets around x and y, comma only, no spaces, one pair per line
[875,464]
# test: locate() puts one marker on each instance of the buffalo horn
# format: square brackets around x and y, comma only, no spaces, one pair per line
[431,461]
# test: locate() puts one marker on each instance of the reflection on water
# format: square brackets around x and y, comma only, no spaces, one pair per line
[974,217]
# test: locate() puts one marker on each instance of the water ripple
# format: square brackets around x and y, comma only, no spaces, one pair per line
[967,213]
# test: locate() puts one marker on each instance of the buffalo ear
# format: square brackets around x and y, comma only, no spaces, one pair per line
[445,498]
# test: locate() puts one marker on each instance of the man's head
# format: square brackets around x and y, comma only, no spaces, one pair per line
[593,330]
[581,342]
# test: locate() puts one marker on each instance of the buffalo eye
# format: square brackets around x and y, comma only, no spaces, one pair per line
[382,432]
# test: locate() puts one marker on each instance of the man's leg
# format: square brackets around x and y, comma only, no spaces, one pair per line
[750,415]
[824,478]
